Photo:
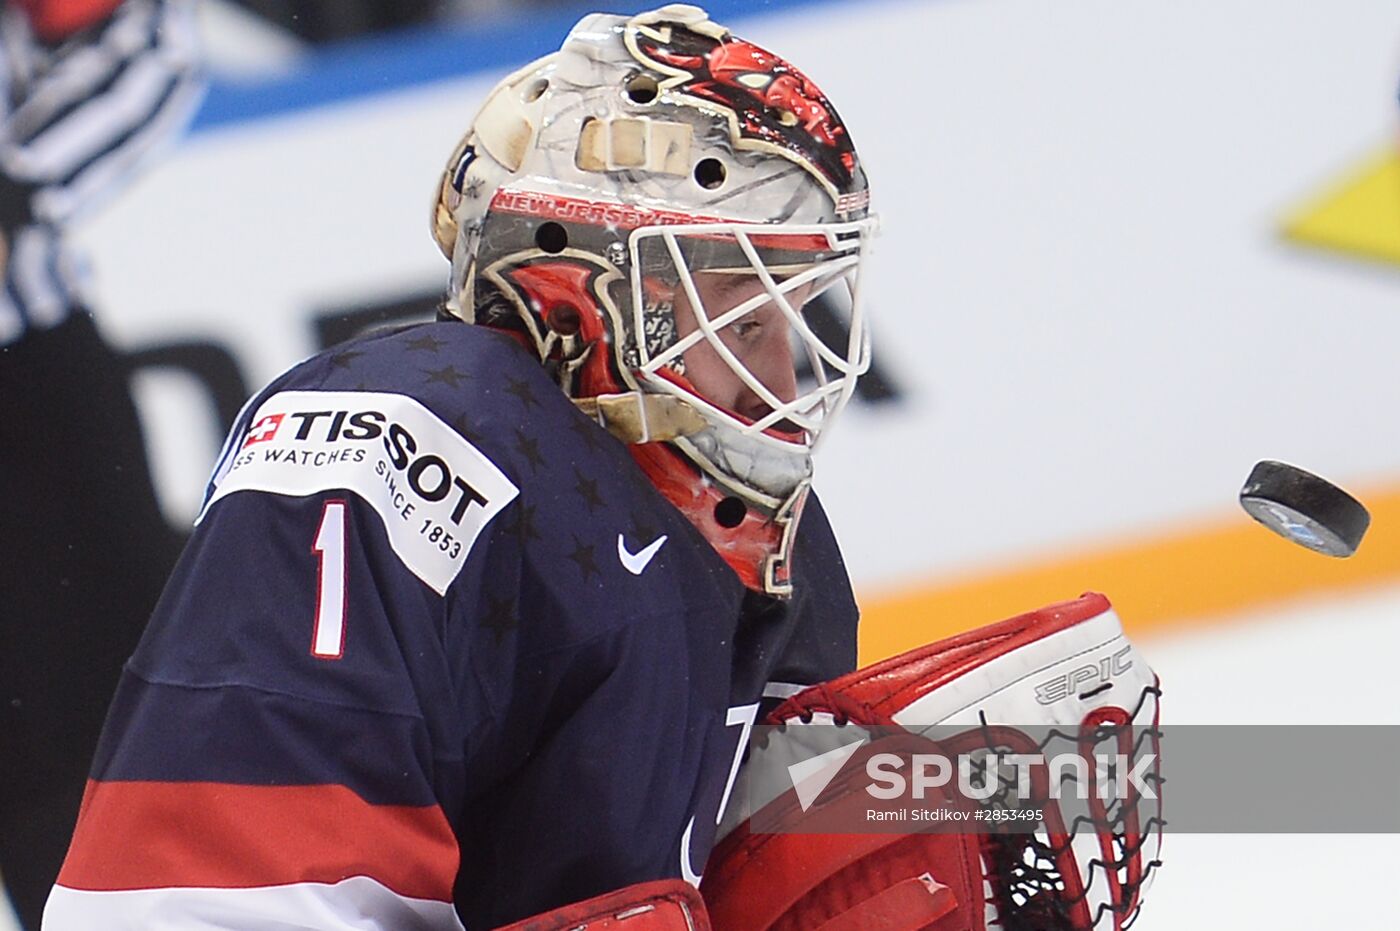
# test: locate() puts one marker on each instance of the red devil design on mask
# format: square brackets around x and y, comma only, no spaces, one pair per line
[774,101]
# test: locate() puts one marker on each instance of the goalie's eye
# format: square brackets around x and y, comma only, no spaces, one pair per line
[746,328]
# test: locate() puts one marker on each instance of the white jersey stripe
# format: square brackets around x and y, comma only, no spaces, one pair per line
[352,904]
[67,147]
[76,77]
[95,180]
[782,690]
[85,114]
[31,269]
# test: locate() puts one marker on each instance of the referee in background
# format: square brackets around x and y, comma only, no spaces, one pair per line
[88,90]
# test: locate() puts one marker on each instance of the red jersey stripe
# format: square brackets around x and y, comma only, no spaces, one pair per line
[148,835]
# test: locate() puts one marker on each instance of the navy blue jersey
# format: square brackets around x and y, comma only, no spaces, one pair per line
[436,650]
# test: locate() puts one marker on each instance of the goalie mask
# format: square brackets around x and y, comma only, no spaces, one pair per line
[674,220]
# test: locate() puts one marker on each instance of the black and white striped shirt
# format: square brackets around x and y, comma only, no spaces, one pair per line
[78,117]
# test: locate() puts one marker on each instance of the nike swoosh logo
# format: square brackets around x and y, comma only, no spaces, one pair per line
[636,562]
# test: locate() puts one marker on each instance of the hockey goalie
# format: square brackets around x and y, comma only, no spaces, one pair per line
[479,615]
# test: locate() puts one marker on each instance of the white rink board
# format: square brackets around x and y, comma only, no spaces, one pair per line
[1080,285]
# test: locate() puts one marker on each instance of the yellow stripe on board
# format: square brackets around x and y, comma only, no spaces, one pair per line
[1177,579]
[1361,215]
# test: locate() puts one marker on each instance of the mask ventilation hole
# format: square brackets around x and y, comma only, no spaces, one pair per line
[709,173]
[551,238]
[563,319]
[730,513]
[535,90]
[642,88]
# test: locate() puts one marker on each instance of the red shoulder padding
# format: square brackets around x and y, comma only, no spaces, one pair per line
[888,686]
[665,905]
[56,20]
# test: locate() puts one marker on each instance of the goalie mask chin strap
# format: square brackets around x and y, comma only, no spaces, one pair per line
[637,417]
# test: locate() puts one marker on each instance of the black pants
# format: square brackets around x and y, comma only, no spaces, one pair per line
[84,553]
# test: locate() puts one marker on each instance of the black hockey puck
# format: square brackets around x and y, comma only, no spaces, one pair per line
[1299,506]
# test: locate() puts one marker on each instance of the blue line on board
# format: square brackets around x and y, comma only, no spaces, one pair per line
[423,54]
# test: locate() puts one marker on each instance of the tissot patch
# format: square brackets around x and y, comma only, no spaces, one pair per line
[434,490]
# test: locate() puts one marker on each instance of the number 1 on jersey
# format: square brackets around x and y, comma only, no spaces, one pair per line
[328,636]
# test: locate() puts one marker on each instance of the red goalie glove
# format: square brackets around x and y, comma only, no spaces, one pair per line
[1067,667]
[665,905]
